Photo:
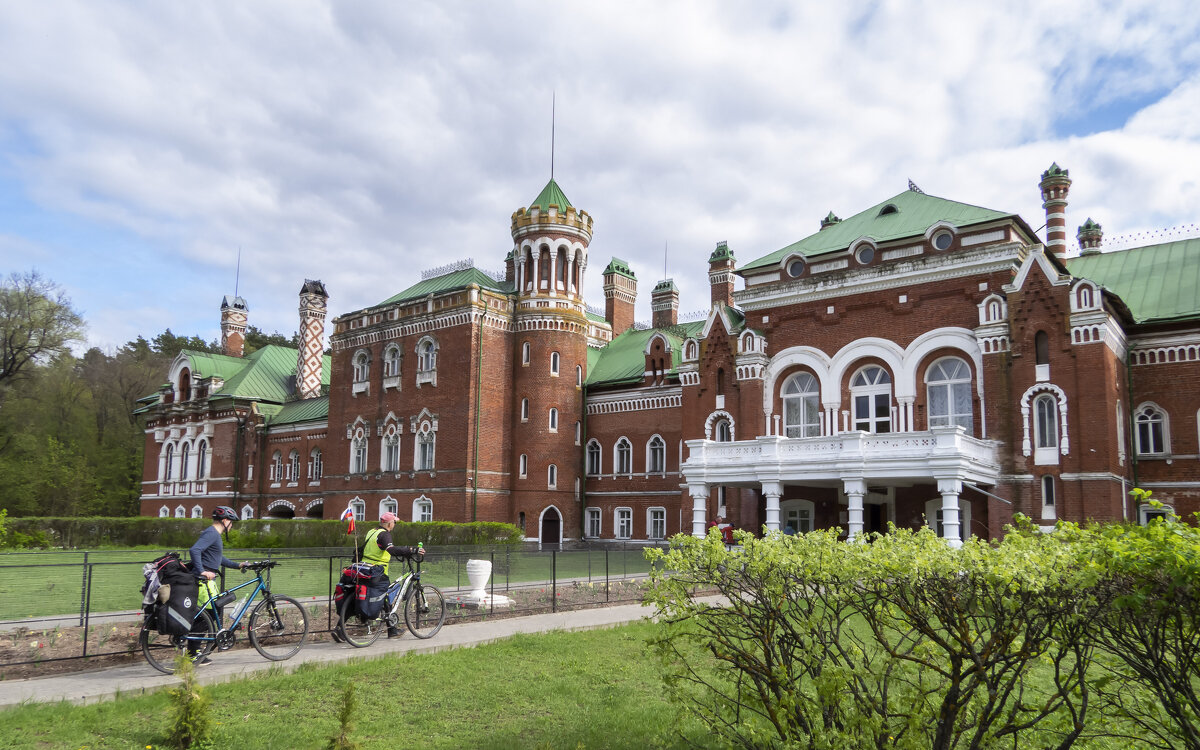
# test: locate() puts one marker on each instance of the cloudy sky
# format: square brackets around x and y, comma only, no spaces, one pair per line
[143,144]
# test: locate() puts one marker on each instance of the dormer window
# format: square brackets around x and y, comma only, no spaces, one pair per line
[889,209]
[943,240]
[795,268]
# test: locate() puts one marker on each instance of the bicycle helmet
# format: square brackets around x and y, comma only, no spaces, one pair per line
[224,512]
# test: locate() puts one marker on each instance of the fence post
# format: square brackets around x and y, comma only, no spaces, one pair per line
[83,591]
[553,580]
[607,581]
[87,618]
[492,583]
[329,609]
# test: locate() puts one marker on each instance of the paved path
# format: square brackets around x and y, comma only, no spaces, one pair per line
[139,678]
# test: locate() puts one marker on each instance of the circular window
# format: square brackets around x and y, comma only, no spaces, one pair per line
[942,240]
[795,268]
[866,255]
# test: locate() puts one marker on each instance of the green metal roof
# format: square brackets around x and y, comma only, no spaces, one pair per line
[305,410]
[624,359]
[205,365]
[551,195]
[722,252]
[666,285]
[915,212]
[1158,283]
[448,281]
[269,375]
[620,267]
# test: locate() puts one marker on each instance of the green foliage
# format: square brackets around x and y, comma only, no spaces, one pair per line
[341,740]
[37,324]
[180,533]
[191,724]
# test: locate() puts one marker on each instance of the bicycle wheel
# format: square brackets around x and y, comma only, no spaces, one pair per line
[161,650]
[357,630]
[425,611]
[278,627]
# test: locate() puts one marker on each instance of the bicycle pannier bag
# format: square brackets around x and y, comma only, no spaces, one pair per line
[174,615]
[371,594]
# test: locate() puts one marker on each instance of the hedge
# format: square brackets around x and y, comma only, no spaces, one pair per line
[72,533]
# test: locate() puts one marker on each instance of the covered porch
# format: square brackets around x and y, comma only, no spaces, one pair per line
[853,462]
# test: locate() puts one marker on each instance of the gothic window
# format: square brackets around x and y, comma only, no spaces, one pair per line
[358,452]
[168,462]
[276,473]
[362,367]
[1045,422]
[871,395]
[723,431]
[593,458]
[164,512]
[1151,430]
[197,511]
[553,420]
[293,470]
[656,455]
[391,361]
[388,505]
[523,466]
[425,449]
[359,508]
[948,389]
[184,453]
[180,512]
[552,477]
[202,459]
[422,510]
[801,406]
[314,465]
[247,512]
[524,410]
[624,457]
[624,523]
[593,522]
[656,523]
[525,353]
[554,362]
[391,450]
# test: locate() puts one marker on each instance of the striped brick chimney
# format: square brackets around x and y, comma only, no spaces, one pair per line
[1055,184]
[1090,235]
[313,301]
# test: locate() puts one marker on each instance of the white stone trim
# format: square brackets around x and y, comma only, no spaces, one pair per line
[663,397]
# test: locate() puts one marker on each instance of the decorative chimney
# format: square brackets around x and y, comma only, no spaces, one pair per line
[1090,236]
[313,302]
[720,274]
[1055,184]
[664,302]
[233,325]
[620,295]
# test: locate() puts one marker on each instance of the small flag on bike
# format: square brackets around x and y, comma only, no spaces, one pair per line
[348,515]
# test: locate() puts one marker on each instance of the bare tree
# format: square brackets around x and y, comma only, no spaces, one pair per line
[37,323]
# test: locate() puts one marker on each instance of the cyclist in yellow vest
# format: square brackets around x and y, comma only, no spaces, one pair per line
[378,549]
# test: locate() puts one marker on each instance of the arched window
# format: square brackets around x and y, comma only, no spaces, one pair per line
[427,361]
[362,367]
[425,449]
[276,467]
[314,465]
[553,423]
[524,410]
[552,477]
[202,460]
[180,512]
[293,468]
[578,432]
[197,511]
[168,462]
[723,431]
[624,457]
[593,458]
[391,361]
[1151,430]
[579,375]
[1045,422]
[358,452]
[801,406]
[388,505]
[523,466]
[871,395]
[359,508]
[1041,348]
[184,451]
[656,455]
[525,353]
[422,510]
[391,450]
[948,389]
[247,512]
[554,362]
[185,385]
[164,512]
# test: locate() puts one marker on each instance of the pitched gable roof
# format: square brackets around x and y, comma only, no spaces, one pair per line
[448,281]
[1158,283]
[623,360]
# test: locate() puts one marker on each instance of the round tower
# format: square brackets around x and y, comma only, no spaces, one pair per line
[1055,184]
[233,325]
[1090,236]
[549,261]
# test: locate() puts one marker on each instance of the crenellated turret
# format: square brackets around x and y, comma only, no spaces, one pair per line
[550,242]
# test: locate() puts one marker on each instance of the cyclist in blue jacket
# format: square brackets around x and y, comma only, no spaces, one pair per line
[208,554]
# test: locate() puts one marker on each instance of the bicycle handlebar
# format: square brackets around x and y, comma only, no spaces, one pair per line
[260,565]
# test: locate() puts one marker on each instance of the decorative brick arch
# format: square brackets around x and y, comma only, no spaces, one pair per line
[1026,399]
[712,420]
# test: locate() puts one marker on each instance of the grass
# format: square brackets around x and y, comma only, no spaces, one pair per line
[597,689]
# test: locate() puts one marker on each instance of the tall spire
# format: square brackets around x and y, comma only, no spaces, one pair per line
[552,102]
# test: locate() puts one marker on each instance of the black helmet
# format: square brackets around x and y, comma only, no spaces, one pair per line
[224,512]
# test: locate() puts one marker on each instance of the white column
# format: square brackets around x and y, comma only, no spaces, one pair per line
[699,508]
[855,489]
[772,492]
[950,490]
[536,254]
[553,272]
[570,274]
[519,268]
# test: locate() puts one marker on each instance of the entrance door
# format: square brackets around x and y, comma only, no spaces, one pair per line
[551,527]
[874,518]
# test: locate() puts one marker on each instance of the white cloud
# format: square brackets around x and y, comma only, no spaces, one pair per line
[359,143]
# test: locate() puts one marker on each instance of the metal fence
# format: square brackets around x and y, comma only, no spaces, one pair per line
[57,606]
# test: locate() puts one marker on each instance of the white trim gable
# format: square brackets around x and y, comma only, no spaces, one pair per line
[657,337]
[1037,255]
[717,312]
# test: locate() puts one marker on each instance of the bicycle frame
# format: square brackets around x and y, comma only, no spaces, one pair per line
[260,585]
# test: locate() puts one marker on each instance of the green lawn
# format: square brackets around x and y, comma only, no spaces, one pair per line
[52,583]
[598,689]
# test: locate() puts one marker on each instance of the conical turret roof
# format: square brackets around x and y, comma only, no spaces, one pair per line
[552,194]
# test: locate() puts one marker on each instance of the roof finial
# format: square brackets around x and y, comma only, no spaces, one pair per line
[665,246]
[237,275]
[913,187]
[552,98]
